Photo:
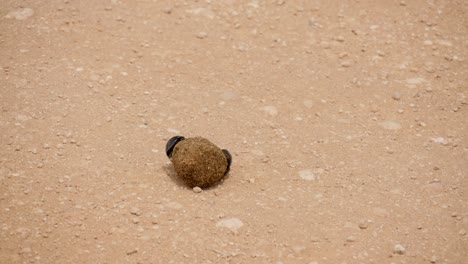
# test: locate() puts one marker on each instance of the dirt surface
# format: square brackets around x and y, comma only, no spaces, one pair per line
[347,121]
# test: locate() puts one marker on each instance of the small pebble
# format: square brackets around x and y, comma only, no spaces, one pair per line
[363,225]
[26,250]
[20,14]
[396,96]
[202,35]
[390,125]
[346,64]
[233,224]
[308,175]
[350,239]
[270,110]
[135,211]
[197,189]
[399,249]
[462,232]
[133,251]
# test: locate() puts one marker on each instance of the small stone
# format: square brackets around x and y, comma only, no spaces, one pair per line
[270,110]
[233,224]
[462,232]
[381,212]
[26,250]
[202,35]
[390,125]
[308,103]
[173,131]
[280,2]
[346,64]
[135,211]
[399,249]
[307,175]
[415,81]
[314,239]
[197,189]
[21,14]
[396,96]
[135,220]
[133,251]
[363,225]
[440,140]
[433,259]
[340,39]
[350,239]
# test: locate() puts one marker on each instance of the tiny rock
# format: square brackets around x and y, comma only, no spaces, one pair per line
[21,14]
[399,249]
[202,35]
[307,175]
[363,225]
[135,211]
[270,110]
[197,189]
[133,251]
[396,96]
[390,125]
[233,224]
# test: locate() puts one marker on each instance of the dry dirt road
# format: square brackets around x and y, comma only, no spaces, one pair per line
[347,121]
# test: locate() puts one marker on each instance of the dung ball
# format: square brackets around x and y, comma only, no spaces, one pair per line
[198,161]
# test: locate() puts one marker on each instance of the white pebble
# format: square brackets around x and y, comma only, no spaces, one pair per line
[399,249]
[202,35]
[396,96]
[308,175]
[390,125]
[233,224]
[197,189]
[20,14]
[270,110]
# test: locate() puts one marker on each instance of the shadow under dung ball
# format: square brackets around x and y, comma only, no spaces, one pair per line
[198,161]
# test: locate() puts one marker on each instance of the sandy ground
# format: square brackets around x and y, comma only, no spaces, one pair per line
[347,121]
